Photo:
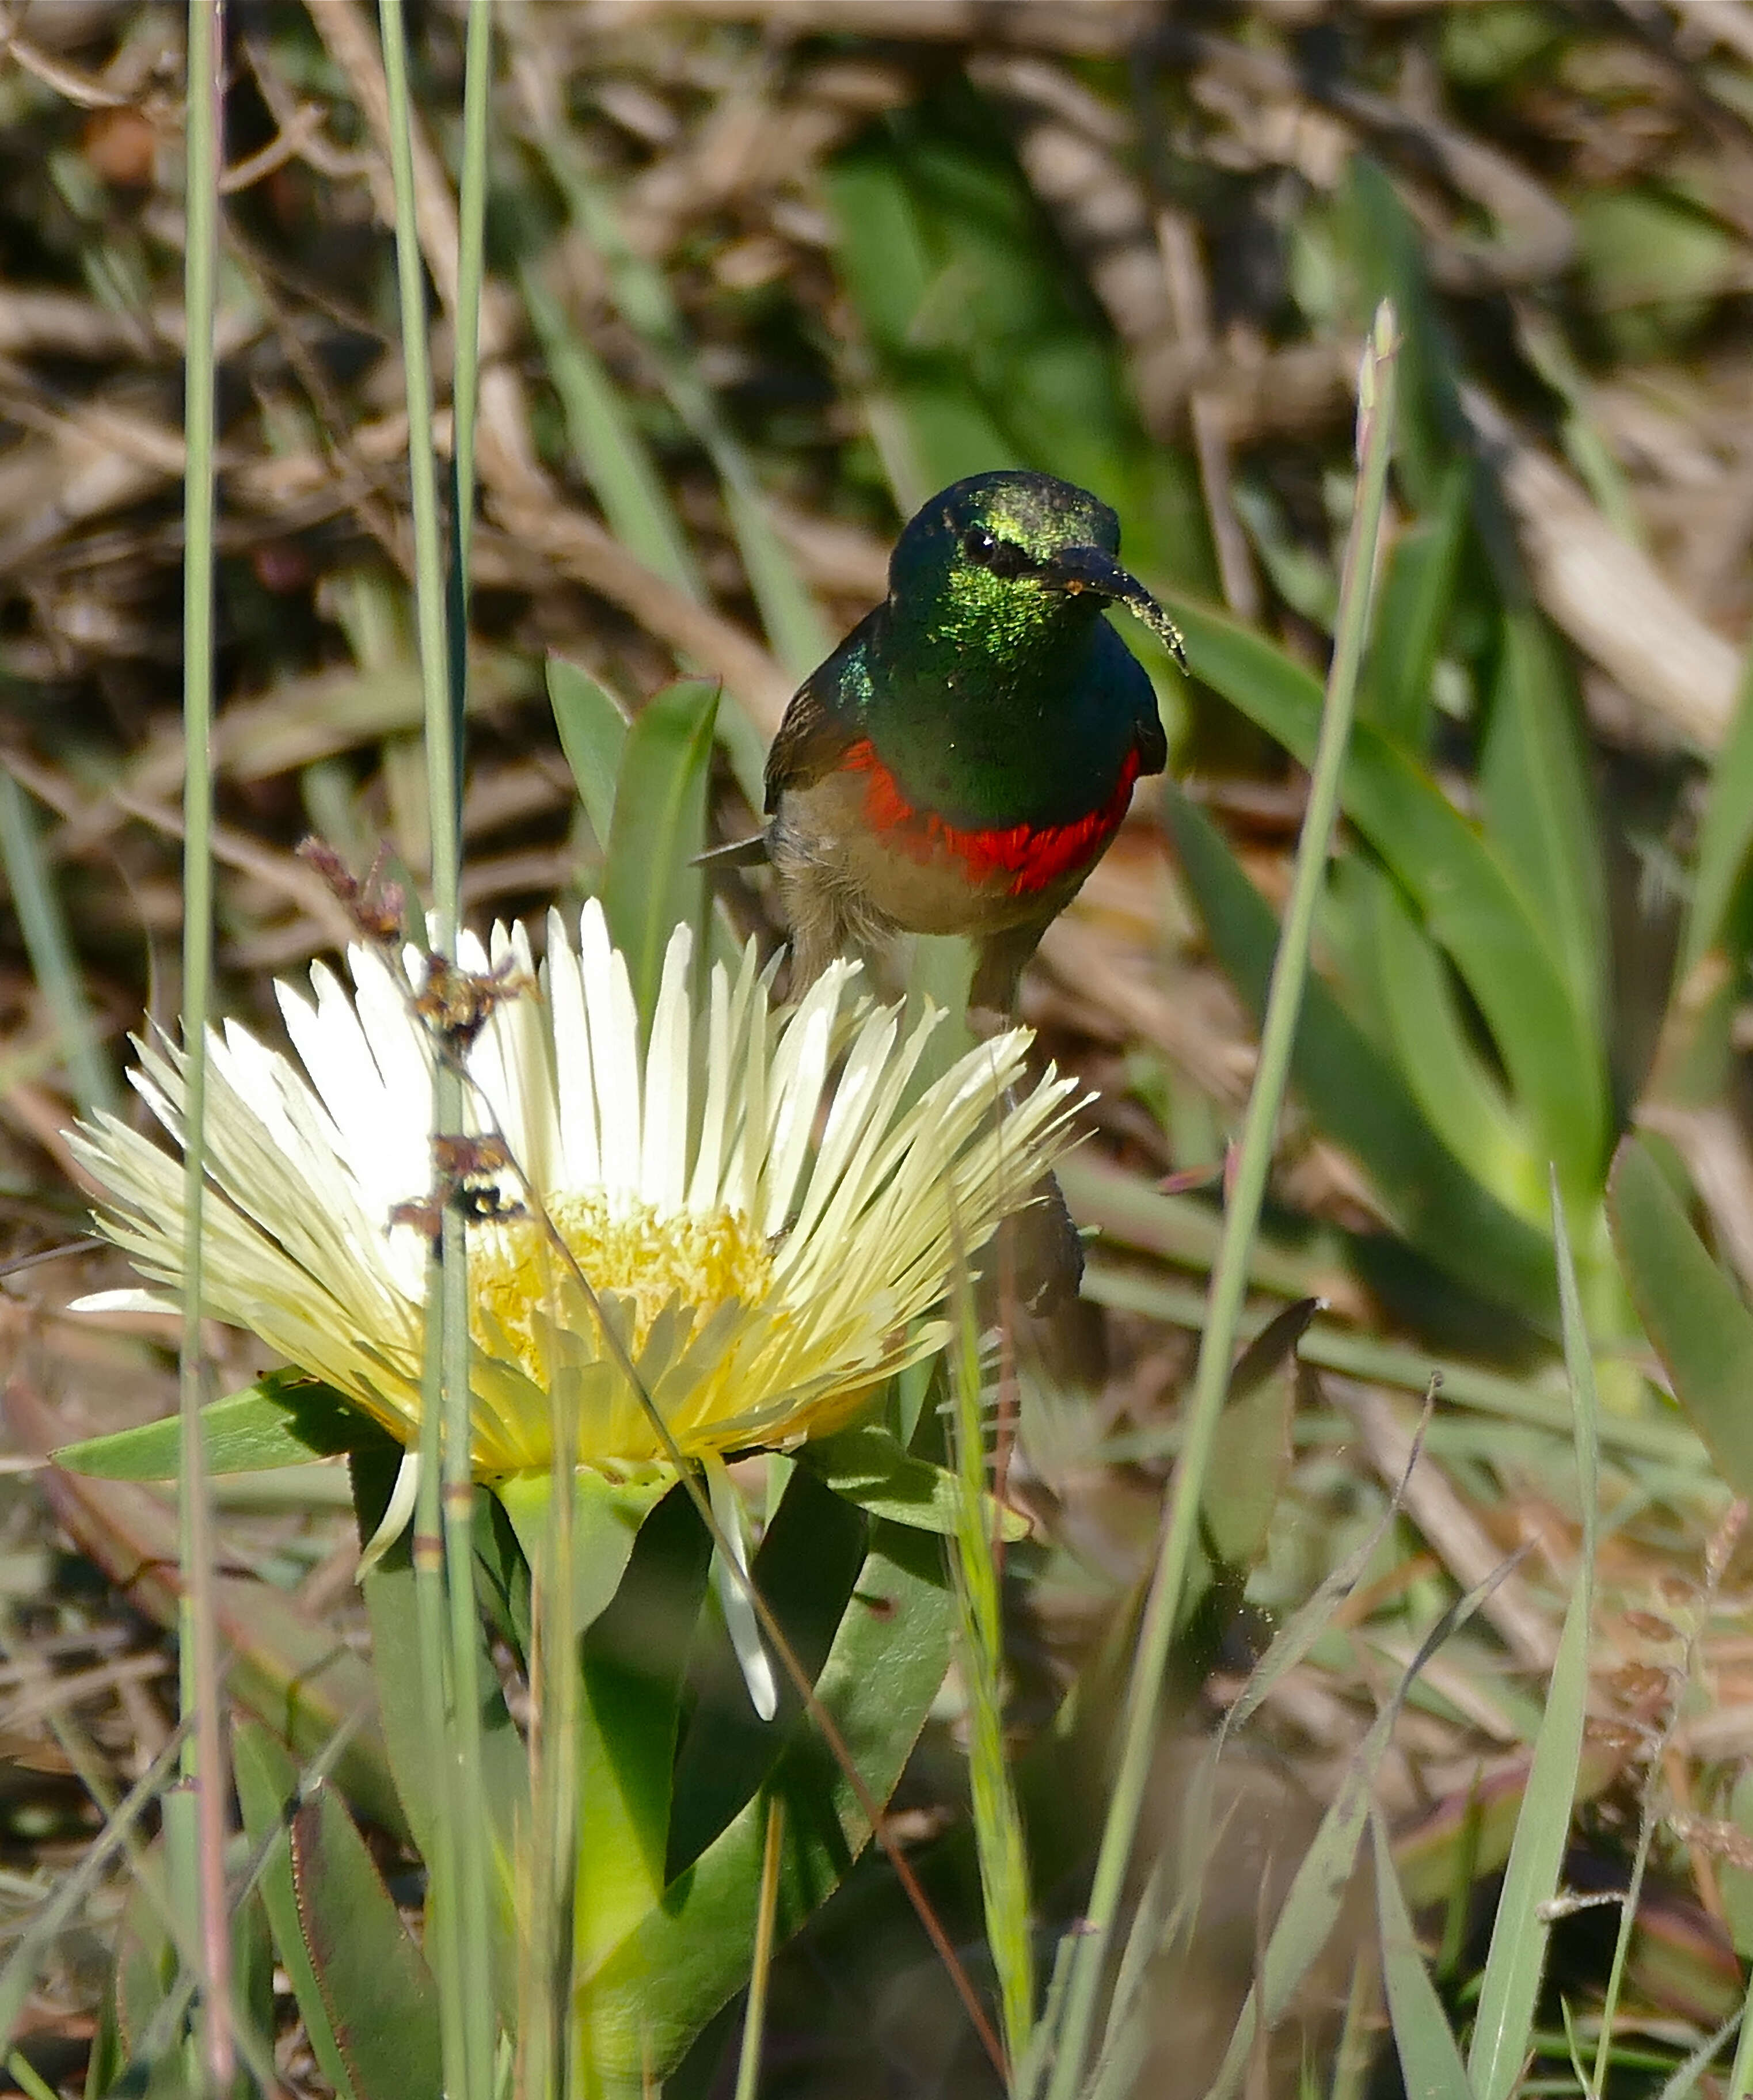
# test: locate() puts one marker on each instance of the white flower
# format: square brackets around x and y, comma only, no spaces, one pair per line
[763,1214]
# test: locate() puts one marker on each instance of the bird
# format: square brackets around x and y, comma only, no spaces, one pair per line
[965,758]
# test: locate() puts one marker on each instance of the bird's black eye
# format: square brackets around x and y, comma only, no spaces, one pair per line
[1007,560]
[979,545]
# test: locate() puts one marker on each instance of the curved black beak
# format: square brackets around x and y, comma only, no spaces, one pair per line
[1075,569]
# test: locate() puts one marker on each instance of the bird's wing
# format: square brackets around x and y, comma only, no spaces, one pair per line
[815,735]
[1152,740]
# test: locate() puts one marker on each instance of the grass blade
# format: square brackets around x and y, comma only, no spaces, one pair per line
[1358,1094]
[642,297]
[1534,789]
[1241,1220]
[1471,903]
[1510,1986]
[650,883]
[37,904]
[1319,1892]
[1430,2057]
[1694,1316]
[1725,840]
[605,443]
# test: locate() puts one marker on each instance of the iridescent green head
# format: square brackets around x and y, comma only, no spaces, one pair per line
[1016,558]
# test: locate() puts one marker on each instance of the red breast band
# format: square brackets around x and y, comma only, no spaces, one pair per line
[1033,857]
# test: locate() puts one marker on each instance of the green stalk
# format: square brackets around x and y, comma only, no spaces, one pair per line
[1241,1218]
[444,1557]
[999,1840]
[442,782]
[444,1921]
[19,2071]
[471,223]
[471,206]
[755,2016]
[195,1820]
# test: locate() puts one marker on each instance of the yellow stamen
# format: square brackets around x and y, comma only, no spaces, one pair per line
[649,1257]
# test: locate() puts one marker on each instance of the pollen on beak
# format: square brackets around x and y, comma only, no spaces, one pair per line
[1078,570]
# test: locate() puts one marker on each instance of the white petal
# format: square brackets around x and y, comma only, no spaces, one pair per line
[733,1596]
[799,1072]
[384,1128]
[396,1517]
[856,1097]
[663,1161]
[511,1065]
[580,1164]
[614,1051]
[708,1158]
[124,1301]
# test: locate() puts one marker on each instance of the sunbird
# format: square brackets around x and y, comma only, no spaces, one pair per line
[965,758]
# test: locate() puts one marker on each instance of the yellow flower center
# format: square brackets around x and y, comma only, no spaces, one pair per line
[647,1256]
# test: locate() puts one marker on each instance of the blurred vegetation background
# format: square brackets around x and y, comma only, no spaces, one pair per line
[762,276]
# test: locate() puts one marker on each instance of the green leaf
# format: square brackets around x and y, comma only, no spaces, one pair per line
[1509,1989]
[1653,262]
[1431,2065]
[634,1668]
[1696,1050]
[650,884]
[1461,1099]
[606,1516]
[1387,249]
[381,2001]
[592,727]
[1471,903]
[1418,591]
[284,1419]
[39,915]
[1357,1097]
[1534,791]
[364,1988]
[791,619]
[1725,841]
[1694,1317]
[268,1787]
[689,1952]
[868,1465]
[1474,1828]
[985,358]
[1251,1452]
[930,425]
[806,1569]
[153,2041]
[1737,1881]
